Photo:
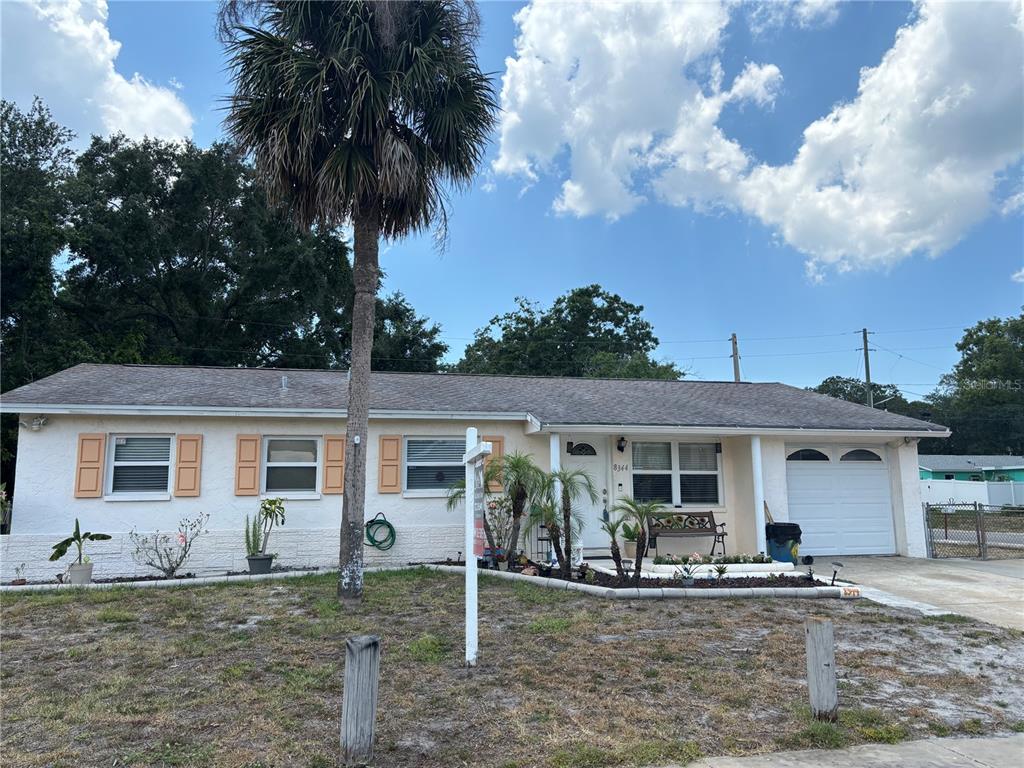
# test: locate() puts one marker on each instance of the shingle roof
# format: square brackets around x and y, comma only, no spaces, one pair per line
[551,400]
[950,463]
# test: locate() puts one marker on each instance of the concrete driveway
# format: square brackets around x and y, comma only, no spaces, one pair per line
[990,590]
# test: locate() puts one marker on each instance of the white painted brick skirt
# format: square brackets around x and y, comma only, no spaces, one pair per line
[219,551]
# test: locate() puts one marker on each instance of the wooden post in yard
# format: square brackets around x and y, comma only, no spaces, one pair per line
[359,705]
[821,668]
[979,512]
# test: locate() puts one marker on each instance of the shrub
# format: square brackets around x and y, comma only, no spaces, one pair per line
[167,552]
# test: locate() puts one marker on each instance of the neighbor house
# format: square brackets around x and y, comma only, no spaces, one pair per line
[125,447]
[991,467]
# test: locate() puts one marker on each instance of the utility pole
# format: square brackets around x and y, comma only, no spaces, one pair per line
[867,370]
[735,358]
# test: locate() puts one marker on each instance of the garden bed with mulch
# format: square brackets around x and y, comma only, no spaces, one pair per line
[250,674]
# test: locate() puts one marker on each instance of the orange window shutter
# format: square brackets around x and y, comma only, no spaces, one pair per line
[497,451]
[389,464]
[89,468]
[334,464]
[188,465]
[247,465]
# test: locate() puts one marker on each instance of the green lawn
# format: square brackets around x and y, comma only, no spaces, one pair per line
[250,675]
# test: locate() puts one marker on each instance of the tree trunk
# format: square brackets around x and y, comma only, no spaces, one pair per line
[617,558]
[518,506]
[567,533]
[556,542]
[641,548]
[366,276]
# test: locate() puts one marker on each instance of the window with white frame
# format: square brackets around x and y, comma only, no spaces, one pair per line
[290,464]
[652,472]
[140,464]
[698,473]
[433,463]
[677,473]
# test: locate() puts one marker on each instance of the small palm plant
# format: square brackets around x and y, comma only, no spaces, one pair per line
[563,489]
[639,513]
[613,528]
[521,481]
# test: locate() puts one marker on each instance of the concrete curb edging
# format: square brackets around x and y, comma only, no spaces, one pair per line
[609,593]
[663,593]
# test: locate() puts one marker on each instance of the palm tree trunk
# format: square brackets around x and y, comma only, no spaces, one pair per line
[366,275]
[617,558]
[641,548]
[518,507]
[567,532]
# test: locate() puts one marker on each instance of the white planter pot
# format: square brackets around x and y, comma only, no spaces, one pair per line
[80,573]
[629,549]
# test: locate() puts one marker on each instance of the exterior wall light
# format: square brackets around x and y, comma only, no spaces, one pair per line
[621,444]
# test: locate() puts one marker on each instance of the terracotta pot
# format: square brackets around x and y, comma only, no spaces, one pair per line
[80,573]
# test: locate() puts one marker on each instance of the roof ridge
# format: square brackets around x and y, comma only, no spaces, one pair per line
[550,377]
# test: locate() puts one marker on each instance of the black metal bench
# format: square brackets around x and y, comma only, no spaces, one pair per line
[688,525]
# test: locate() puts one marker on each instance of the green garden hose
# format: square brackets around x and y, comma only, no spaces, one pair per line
[380,534]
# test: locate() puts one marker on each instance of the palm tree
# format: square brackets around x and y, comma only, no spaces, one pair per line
[640,512]
[361,112]
[521,480]
[563,488]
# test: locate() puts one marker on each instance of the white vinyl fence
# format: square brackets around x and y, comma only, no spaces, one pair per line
[969,491]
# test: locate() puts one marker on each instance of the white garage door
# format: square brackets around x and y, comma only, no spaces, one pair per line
[840,497]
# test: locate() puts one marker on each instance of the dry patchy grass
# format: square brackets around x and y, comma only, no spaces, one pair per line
[250,675]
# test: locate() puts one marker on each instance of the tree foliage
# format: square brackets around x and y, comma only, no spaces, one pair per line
[981,400]
[157,252]
[586,332]
[887,396]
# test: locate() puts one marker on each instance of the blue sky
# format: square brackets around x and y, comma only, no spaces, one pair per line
[705,256]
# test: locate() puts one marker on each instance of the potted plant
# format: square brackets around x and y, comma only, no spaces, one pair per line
[81,569]
[257,534]
[630,532]
[19,576]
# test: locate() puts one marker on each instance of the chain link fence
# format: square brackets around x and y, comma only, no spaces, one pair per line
[970,529]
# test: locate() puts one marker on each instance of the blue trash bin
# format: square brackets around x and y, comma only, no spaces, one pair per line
[783,540]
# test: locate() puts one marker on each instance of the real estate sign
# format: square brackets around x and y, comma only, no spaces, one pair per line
[476,452]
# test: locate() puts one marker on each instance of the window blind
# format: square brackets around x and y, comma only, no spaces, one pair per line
[698,457]
[652,456]
[433,450]
[140,479]
[142,449]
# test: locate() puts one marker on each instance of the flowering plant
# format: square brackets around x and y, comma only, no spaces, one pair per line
[168,552]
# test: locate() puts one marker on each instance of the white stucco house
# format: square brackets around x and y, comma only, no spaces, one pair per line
[134,446]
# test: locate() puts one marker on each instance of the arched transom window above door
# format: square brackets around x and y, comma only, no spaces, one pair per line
[807,454]
[860,454]
[581,449]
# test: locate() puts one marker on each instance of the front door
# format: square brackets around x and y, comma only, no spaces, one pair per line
[589,453]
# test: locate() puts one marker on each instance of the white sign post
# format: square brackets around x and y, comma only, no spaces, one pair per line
[476,452]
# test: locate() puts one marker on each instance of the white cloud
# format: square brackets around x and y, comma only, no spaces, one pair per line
[63,52]
[1018,276]
[622,103]
[1012,204]
[771,15]
[910,164]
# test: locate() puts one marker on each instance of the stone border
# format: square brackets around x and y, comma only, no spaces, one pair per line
[660,593]
[609,593]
